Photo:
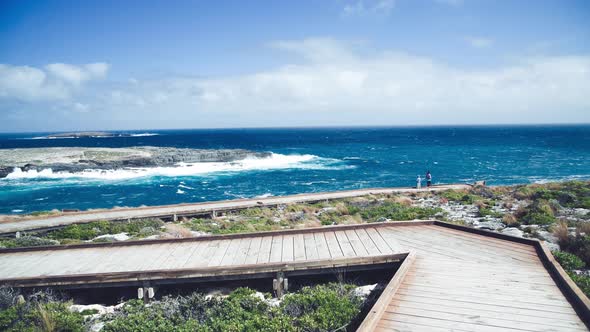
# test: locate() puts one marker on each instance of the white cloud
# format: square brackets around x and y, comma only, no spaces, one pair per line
[317,49]
[363,8]
[78,74]
[479,42]
[28,83]
[79,107]
[55,81]
[336,84]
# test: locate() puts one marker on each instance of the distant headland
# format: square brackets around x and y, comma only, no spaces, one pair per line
[92,134]
[77,159]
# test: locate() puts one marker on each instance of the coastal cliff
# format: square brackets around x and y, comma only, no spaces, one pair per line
[76,159]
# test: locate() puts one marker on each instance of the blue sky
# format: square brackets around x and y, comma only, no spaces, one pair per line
[80,65]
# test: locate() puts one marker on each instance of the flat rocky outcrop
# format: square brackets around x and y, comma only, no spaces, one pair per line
[75,159]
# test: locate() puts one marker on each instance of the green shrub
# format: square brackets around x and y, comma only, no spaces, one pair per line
[538,213]
[88,231]
[578,245]
[573,194]
[41,213]
[318,308]
[568,261]
[459,196]
[219,226]
[87,312]
[60,317]
[322,307]
[583,281]
[28,241]
[397,211]
[485,211]
[36,316]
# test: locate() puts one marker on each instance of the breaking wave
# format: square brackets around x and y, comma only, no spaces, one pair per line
[274,162]
[98,136]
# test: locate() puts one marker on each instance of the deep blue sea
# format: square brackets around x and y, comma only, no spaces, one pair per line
[304,160]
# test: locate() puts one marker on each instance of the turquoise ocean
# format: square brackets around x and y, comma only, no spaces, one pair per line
[303,160]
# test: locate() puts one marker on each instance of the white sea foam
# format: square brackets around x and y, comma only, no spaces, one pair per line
[264,195]
[273,162]
[144,135]
[180,192]
[97,136]
[45,137]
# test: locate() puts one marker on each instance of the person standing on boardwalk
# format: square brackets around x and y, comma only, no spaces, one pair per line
[428,179]
[418,182]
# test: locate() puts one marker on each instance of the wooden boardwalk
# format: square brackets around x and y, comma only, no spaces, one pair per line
[450,279]
[168,211]
[466,282]
[197,257]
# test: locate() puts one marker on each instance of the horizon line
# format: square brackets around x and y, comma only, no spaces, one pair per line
[564,124]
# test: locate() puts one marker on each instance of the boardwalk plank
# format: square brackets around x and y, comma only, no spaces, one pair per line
[231,252]
[379,242]
[365,238]
[217,252]
[356,243]
[276,251]
[311,250]
[529,316]
[333,245]
[345,244]
[265,247]
[322,245]
[287,248]
[299,247]
[253,251]
[198,257]
[242,252]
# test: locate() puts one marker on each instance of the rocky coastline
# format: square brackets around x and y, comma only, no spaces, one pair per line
[77,159]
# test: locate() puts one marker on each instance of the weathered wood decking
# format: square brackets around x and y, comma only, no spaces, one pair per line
[467,282]
[198,257]
[179,210]
[450,279]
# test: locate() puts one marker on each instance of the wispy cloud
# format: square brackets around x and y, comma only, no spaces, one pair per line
[363,8]
[78,74]
[479,42]
[336,84]
[55,81]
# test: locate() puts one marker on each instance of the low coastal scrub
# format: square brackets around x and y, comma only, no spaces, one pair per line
[324,307]
[461,196]
[27,241]
[540,212]
[568,261]
[579,245]
[88,231]
[37,312]
[78,233]
[397,211]
[318,308]
[353,211]
[571,263]
[572,194]
[225,226]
